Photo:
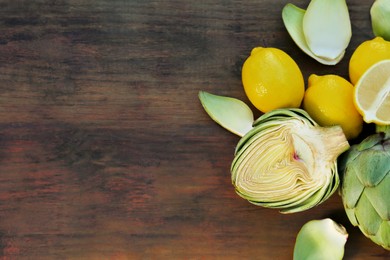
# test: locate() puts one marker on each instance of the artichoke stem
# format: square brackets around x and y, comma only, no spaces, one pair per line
[383,129]
[331,142]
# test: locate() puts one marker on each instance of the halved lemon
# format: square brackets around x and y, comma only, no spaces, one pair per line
[372,94]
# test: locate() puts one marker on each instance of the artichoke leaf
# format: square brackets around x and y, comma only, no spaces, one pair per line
[352,188]
[367,217]
[351,216]
[232,114]
[379,196]
[369,142]
[293,20]
[327,28]
[320,239]
[380,18]
[384,235]
[372,166]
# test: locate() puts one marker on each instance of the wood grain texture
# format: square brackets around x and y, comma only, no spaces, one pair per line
[105,150]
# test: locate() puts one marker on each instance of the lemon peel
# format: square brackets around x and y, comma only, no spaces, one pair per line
[272,79]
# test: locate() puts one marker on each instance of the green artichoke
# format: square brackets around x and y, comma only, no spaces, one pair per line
[365,188]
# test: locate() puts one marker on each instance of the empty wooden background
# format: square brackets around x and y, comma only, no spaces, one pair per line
[105,150]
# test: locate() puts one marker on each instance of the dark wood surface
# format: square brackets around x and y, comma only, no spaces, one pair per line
[105,150]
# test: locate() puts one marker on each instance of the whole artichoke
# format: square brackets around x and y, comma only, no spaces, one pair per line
[365,188]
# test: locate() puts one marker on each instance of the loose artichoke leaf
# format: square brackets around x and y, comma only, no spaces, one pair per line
[232,114]
[380,18]
[320,239]
[327,28]
[293,20]
[369,220]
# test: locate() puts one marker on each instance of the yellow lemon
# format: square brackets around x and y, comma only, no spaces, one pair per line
[272,79]
[372,94]
[367,54]
[329,101]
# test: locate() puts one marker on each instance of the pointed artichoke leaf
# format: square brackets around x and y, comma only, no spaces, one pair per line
[352,187]
[351,216]
[327,28]
[369,142]
[232,114]
[368,218]
[293,20]
[372,166]
[349,156]
[379,197]
[384,235]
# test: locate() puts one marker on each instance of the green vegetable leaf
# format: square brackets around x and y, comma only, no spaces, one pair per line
[232,114]
[320,239]
[380,18]
[327,28]
[293,18]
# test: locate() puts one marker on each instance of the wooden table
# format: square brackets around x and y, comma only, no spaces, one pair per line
[106,152]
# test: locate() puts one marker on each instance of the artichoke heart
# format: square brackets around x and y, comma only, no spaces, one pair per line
[287,161]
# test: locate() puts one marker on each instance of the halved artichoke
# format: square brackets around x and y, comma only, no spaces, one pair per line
[287,161]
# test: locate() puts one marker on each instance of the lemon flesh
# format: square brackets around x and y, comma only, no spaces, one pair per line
[372,94]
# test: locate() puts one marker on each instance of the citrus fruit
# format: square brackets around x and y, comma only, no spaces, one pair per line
[372,94]
[329,101]
[272,79]
[367,54]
